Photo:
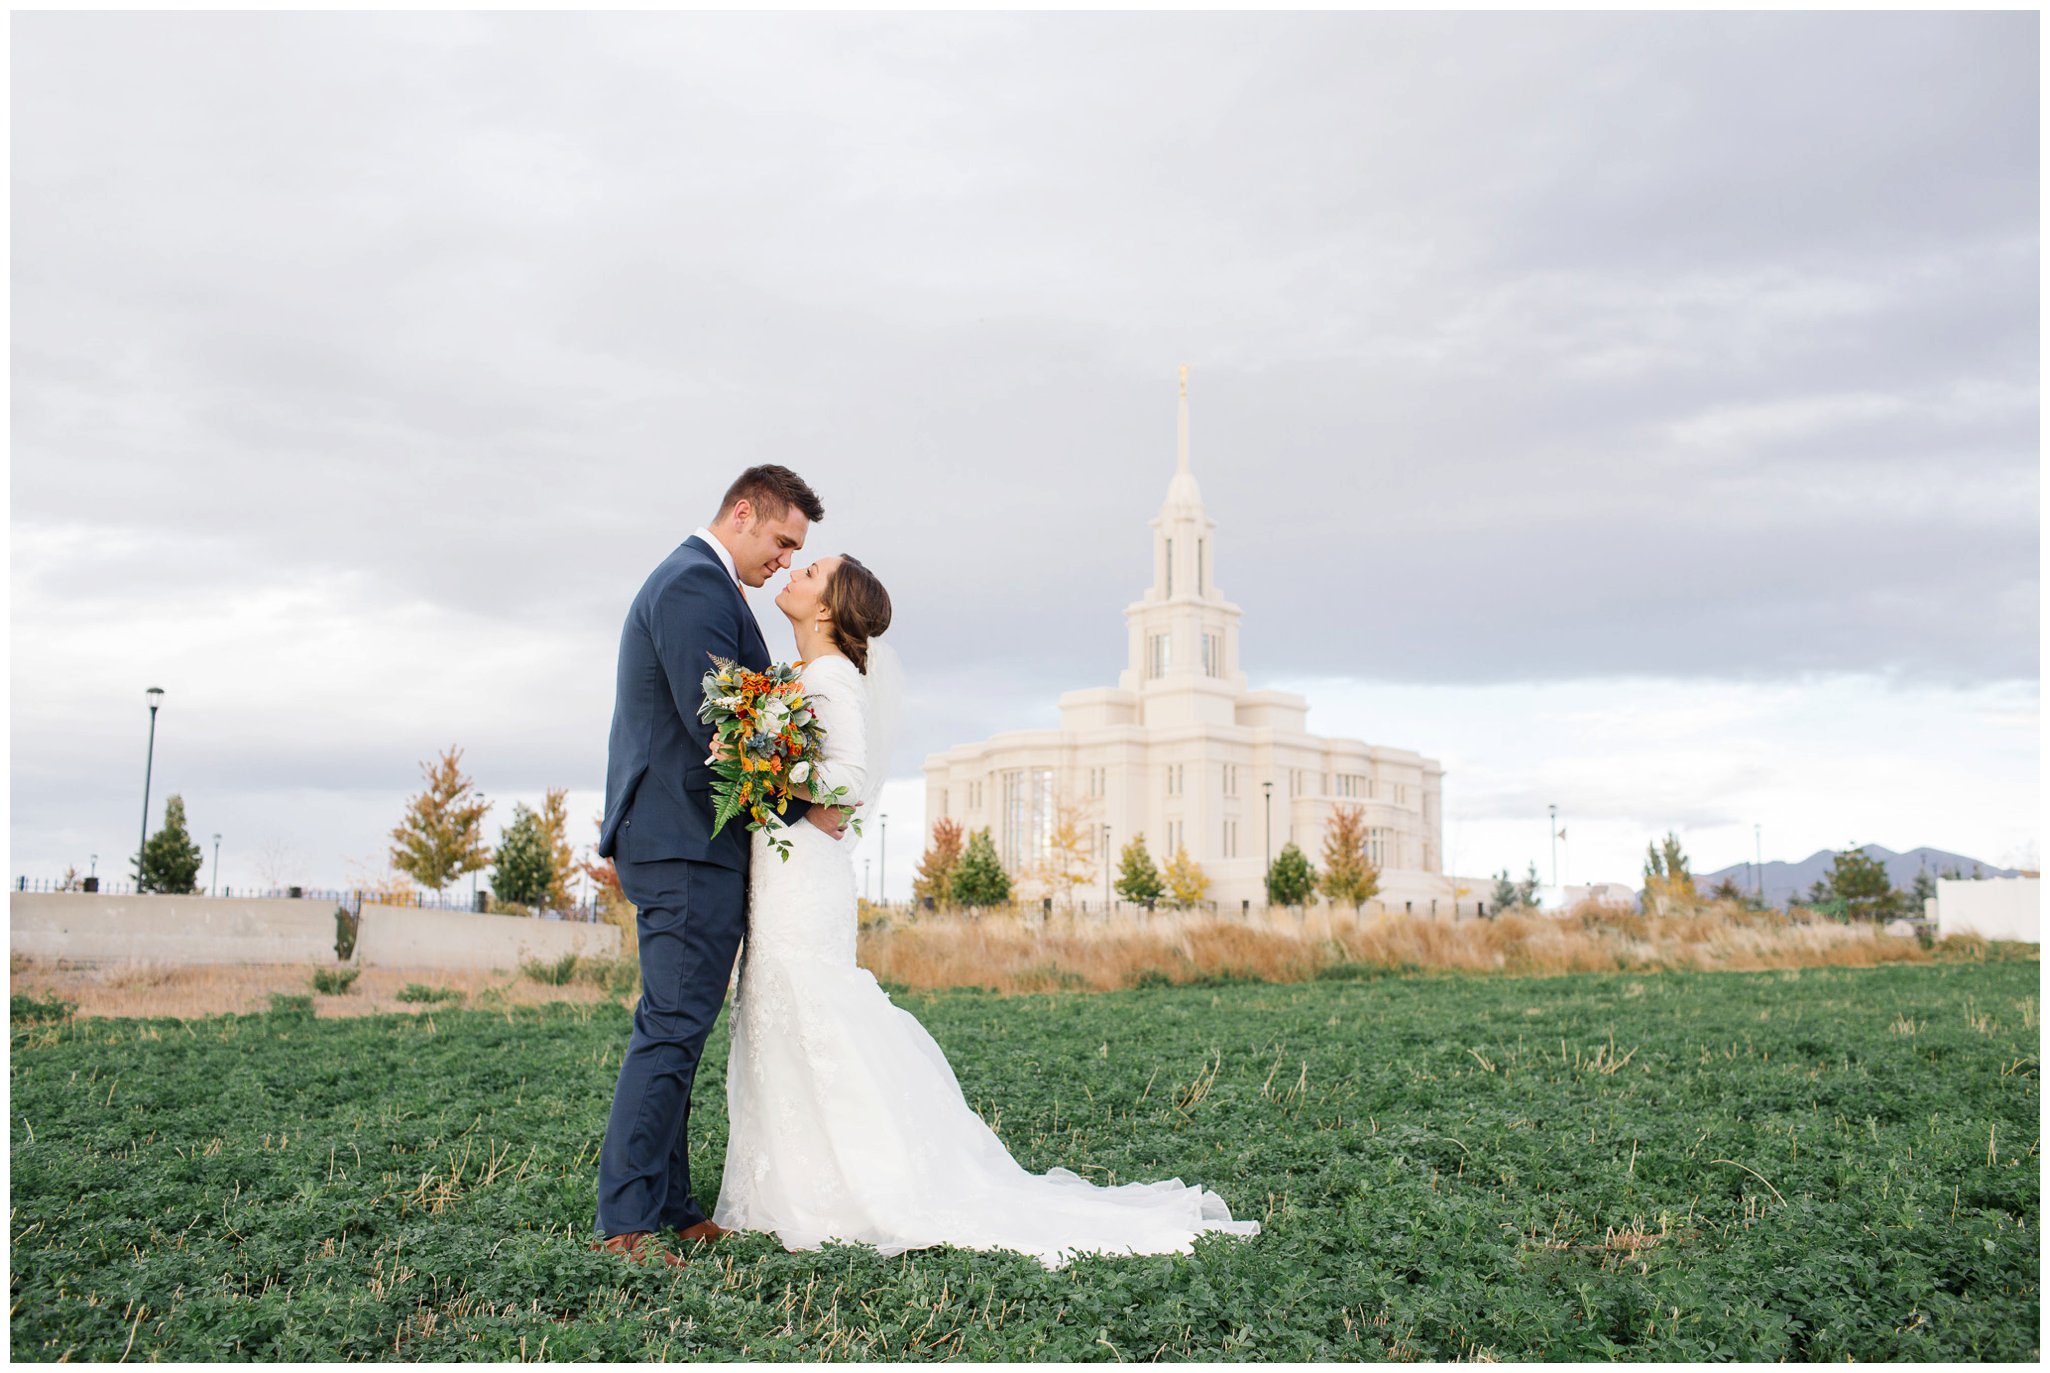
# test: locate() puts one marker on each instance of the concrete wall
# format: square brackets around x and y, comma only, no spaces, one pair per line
[195,929]
[406,937]
[1996,907]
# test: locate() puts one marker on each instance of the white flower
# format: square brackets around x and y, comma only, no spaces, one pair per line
[799,771]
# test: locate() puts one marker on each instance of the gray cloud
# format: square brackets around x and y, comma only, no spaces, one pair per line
[1525,347]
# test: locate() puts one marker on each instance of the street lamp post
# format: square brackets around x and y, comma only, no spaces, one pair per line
[1758,853]
[1106,870]
[156,698]
[217,867]
[867,893]
[1553,830]
[1268,880]
[883,861]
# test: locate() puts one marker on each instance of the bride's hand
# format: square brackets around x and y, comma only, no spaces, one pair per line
[831,819]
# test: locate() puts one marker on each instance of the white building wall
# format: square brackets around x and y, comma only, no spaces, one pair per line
[1995,907]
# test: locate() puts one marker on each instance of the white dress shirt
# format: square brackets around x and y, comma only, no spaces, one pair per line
[725,558]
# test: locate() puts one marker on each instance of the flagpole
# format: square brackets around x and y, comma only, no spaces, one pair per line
[1553,830]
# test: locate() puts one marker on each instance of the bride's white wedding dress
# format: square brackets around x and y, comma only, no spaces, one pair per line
[846,1122]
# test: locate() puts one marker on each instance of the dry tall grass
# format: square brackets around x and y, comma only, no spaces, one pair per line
[1021,953]
[186,991]
[1014,953]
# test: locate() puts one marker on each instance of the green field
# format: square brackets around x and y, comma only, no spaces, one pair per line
[1816,1165]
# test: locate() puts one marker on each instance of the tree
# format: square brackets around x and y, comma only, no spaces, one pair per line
[1187,883]
[613,907]
[1138,880]
[170,861]
[379,886]
[562,855]
[1728,890]
[521,871]
[1509,895]
[1859,881]
[979,879]
[1668,885]
[1291,881]
[604,875]
[1349,879]
[1922,892]
[277,862]
[934,881]
[1070,860]
[442,836]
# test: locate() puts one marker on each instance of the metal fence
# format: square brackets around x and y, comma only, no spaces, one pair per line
[353,898]
[1100,910]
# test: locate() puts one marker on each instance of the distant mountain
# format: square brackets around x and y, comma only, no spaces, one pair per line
[1784,880]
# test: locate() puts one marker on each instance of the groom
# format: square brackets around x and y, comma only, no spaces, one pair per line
[689,889]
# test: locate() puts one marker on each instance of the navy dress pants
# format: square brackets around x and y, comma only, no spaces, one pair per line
[691,919]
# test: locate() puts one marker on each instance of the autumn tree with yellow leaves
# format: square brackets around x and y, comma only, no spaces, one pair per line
[442,834]
[1350,877]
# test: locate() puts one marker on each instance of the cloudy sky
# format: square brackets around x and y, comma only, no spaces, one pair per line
[1637,413]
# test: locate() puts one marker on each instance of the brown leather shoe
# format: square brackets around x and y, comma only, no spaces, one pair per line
[633,1246]
[703,1231]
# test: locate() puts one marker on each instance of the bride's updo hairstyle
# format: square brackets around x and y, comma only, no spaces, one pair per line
[860,608]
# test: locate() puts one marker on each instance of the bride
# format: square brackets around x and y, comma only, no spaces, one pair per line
[846,1122]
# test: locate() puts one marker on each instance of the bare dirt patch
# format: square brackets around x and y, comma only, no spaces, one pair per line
[186,991]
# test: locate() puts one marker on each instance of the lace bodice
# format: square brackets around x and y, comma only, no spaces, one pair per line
[803,906]
[834,690]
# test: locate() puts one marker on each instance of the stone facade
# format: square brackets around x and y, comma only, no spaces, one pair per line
[1183,750]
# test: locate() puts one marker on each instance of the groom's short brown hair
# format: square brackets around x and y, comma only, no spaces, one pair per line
[772,490]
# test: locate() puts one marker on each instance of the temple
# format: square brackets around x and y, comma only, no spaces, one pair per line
[1183,750]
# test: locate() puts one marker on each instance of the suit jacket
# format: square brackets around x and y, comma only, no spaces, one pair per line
[656,779]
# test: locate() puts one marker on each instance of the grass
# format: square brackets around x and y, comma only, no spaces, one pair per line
[1675,1165]
[190,991]
[334,981]
[420,994]
[554,974]
[1008,952]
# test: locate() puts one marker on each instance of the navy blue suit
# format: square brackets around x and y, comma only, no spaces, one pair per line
[689,889]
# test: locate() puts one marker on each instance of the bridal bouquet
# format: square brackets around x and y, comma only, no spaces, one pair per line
[766,739]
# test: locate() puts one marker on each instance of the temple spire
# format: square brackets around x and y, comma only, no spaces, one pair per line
[1182,424]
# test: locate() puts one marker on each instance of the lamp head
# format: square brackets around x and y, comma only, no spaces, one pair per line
[156,697]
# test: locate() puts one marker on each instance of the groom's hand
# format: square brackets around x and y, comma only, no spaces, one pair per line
[831,819]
